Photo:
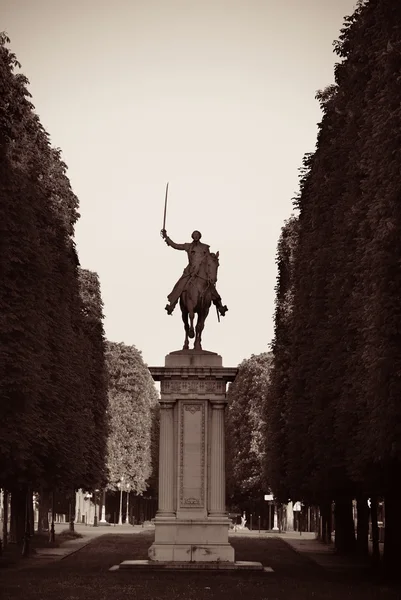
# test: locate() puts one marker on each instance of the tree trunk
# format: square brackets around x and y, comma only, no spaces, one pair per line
[344,525]
[18,515]
[323,524]
[375,531]
[52,532]
[44,507]
[31,515]
[26,542]
[391,554]
[325,513]
[72,511]
[5,517]
[362,536]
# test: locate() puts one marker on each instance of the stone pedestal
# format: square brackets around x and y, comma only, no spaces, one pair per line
[191,524]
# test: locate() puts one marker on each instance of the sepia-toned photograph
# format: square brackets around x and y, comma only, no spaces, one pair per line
[200,324]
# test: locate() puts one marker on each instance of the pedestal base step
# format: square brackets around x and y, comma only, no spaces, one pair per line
[241,565]
[191,553]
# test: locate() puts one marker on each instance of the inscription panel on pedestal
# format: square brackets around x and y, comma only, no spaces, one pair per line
[193,386]
[192,454]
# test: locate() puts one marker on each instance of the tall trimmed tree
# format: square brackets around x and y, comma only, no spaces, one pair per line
[342,408]
[43,333]
[275,407]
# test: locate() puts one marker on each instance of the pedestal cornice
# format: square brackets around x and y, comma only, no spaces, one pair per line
[227,374]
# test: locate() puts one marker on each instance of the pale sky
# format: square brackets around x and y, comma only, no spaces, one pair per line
[214,96]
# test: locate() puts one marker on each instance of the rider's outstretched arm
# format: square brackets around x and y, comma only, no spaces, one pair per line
[170,242]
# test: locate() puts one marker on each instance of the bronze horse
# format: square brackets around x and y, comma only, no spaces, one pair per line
[196,298]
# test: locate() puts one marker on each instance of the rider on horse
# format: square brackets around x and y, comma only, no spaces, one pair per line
[197,252]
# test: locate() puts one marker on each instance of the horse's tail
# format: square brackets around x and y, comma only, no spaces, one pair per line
[218,314]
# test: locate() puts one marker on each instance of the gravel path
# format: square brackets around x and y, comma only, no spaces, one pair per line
[85,575]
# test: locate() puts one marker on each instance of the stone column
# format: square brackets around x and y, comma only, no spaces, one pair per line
[103,513]
[290,516]
[217,461]
[275,526]
[166,461]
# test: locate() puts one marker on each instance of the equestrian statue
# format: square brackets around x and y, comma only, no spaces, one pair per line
[196,288]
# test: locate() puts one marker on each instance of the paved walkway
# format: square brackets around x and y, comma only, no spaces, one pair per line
[307,545]
[88,533]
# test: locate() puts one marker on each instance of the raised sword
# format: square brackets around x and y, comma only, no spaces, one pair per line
[163,231]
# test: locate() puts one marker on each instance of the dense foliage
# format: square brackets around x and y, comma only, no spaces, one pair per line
[132,407]
[52,385]
[335,402]
[245,428]
[94,411]
[275,409]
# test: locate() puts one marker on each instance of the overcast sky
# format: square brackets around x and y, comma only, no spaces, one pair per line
[214,96]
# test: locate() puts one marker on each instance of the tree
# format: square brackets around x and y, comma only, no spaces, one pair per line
[275,408]
[132,397]
[245,427]
[342,388]
[96,392]
[45,336]
[375,310]
[153,480]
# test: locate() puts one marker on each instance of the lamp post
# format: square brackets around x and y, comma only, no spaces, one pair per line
[127,518]
[120,487]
